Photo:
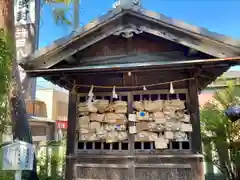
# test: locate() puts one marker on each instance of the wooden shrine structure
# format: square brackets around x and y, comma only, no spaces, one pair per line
[132,48]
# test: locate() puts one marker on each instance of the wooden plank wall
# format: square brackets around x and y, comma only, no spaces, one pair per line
[117,45]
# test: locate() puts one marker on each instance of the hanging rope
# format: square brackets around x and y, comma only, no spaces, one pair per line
[135,87]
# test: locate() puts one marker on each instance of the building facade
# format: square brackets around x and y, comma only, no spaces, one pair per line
[48,112]
[218,85]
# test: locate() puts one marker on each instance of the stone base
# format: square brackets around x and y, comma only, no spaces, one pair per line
[140,167]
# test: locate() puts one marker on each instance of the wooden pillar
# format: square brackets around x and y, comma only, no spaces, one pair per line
[71,134]
[196,142]
[193,106]
[130,80]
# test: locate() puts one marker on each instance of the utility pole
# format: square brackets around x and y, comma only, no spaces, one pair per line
[76,14]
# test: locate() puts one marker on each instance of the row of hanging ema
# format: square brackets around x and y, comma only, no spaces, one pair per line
[115,95]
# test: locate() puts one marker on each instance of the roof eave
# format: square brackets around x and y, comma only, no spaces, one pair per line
[123,67]
[58,44]
[201,31]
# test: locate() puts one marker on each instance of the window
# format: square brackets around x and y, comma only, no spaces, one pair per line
[62,109]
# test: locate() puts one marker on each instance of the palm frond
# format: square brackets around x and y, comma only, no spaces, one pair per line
[67,2]
[217,128]
[60,16]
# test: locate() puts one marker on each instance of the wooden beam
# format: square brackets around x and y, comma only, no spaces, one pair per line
[193,108]
[145,65]
[169,56]
[192,51]
[129,78]
[103,71]
[71,60]
[71,134]
[212,76]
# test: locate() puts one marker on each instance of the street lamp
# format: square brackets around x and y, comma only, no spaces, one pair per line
[233,113]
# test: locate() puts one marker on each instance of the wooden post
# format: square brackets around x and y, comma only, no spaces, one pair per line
[193,106]
[71,134]
[130,80]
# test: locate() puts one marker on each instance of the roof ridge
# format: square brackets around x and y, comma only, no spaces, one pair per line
[158,16]
[139,11]
[190,27]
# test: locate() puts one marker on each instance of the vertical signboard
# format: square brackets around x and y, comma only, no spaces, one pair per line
[17,156]
[25,34]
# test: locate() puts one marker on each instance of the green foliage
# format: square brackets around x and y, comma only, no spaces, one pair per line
[61,11]
[60,16]
[7,175]
[55,159]
[5,78]
[220,132]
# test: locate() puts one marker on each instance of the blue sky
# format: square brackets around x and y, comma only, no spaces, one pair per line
[220,16]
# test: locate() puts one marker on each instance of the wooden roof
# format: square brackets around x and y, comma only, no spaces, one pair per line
[133,19]
[128,22]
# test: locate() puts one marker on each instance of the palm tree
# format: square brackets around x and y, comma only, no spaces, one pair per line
[60,13]
[219,131]
[18,112]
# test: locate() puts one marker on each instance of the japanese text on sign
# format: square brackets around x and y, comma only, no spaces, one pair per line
[24,12]
[18,156]
[22,44]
